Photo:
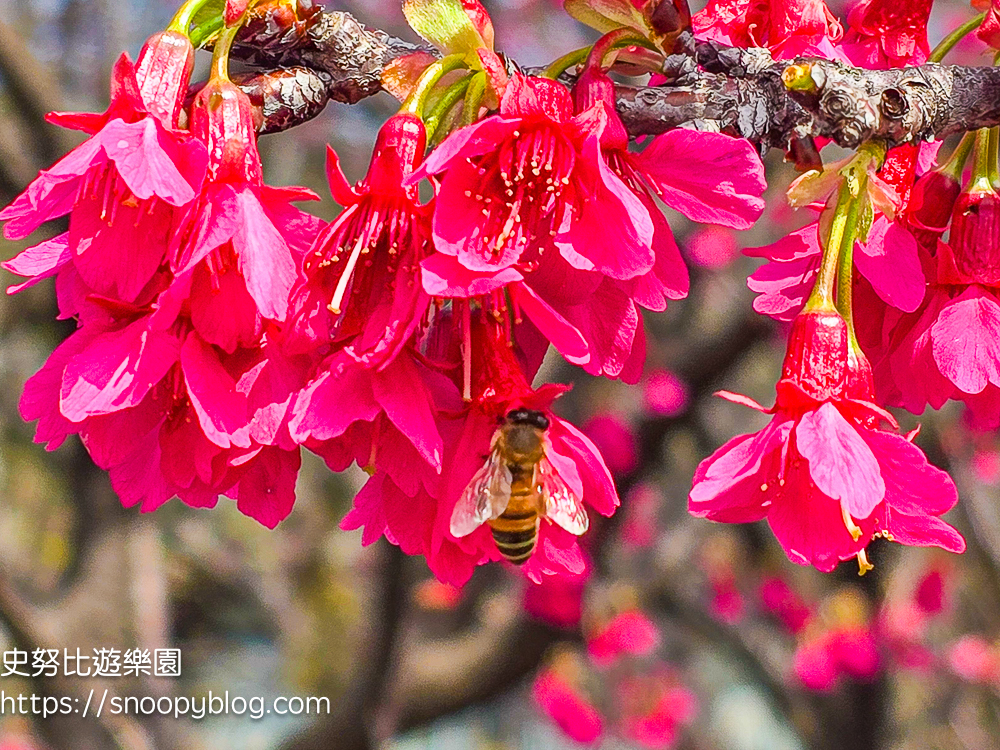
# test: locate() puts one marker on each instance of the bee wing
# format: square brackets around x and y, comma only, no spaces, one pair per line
[562,506]
[485,497]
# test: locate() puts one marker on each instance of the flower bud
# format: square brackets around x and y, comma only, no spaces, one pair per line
[975,235]
[222,116]
[816,360]
[932,201]
[595,87]
[398,151]
[164,73]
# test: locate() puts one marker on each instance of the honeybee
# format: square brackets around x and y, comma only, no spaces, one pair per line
[516,488]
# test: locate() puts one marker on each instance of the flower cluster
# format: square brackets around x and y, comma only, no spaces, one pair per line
[220,329]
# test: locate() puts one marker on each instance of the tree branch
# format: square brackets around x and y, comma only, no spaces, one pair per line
[330,55]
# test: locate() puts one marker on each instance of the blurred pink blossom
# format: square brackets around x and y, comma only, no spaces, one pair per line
[664,707]
[781,600]
[641,507]
[974,659]
[572,712]
[616,440]
[666,394]
[712,247]
[630,633]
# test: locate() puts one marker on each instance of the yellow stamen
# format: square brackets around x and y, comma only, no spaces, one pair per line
[863,565]
[849,523]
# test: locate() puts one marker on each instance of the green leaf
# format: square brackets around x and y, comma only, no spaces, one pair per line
[445,24]
[608,15]
[208,21]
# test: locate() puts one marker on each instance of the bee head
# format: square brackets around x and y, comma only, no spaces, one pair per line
[529,417]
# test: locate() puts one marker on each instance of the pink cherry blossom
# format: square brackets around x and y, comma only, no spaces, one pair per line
[785,603]
[656,708]
[530,176]
[975,660]
[123,186]
[788,28]
[360,286]
[887,34]
[821,662]
[822,472]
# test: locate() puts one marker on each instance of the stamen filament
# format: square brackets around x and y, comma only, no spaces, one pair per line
[345,277]
[863,565]
[852,527]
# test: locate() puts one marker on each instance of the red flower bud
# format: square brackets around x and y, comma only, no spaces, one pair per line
[975,236]
[223,117]
[816,360]
[932,201]
[164,73]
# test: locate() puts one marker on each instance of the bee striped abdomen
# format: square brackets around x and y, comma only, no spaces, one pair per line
[515,531]
[515,535]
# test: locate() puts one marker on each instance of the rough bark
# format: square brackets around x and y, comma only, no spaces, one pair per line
[332,56]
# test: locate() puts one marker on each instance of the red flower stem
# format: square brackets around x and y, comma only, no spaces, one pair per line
[612,41]
[948,43]
[417,99]
[567,61]
[185,16]
[822,294]
[451,96]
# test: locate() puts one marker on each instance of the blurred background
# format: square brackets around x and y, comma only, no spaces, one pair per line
[686,634]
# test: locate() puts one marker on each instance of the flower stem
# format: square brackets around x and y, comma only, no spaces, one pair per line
[474,98]
[955,166]
[220,55]
[994,156]
[185,16]
[845,270]
[452,95]
[948,43]
[612,41]
[822,297]
[982,172]
[417,99]
[564,63]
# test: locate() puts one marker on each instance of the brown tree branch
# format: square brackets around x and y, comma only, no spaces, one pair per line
[331,56]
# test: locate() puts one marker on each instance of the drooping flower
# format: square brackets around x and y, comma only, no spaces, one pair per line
[240,242]
[360,288]
[945,349]
[193,417]
[123,186]
[823,473]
